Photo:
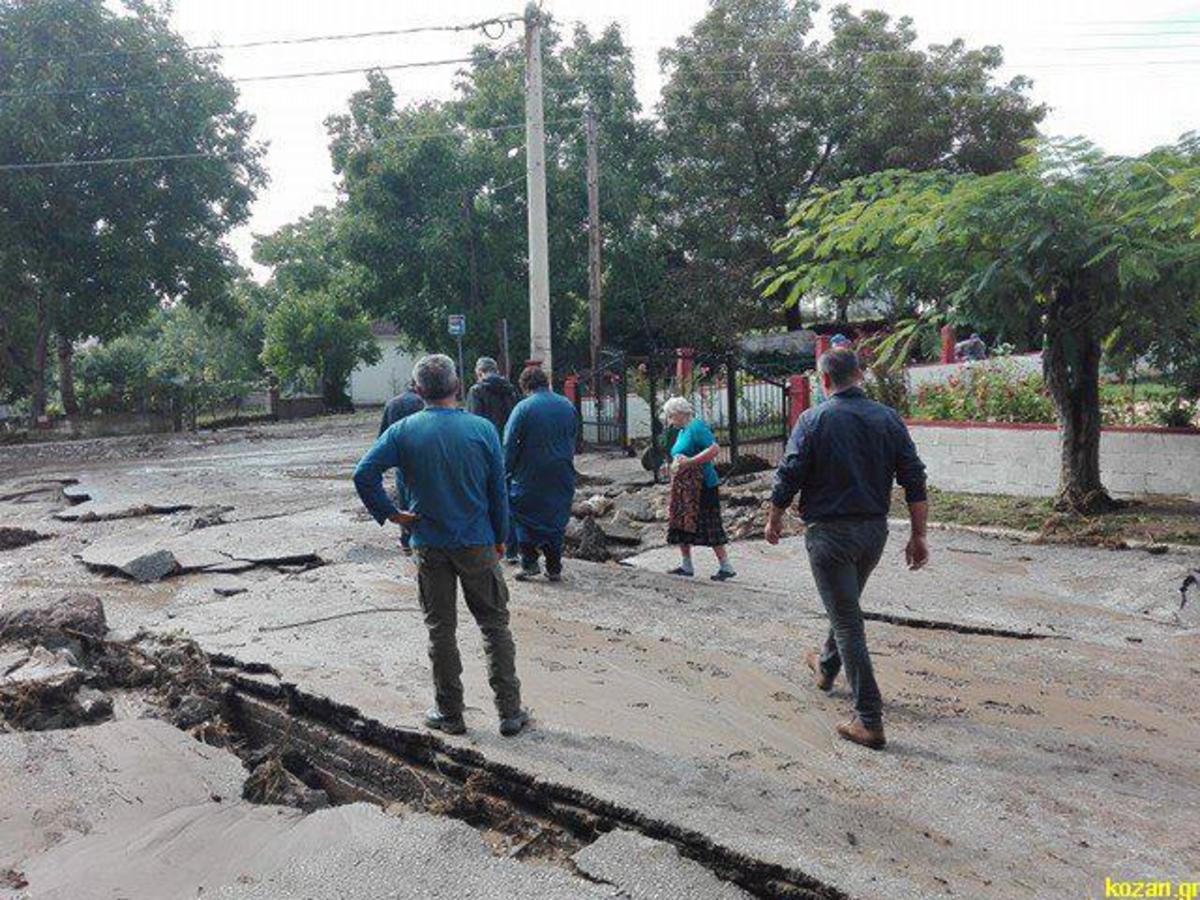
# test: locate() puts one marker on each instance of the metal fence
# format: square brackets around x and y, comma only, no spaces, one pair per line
[602,403]
[746,408]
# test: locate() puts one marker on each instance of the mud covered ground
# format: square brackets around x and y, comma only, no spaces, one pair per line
[1041,701]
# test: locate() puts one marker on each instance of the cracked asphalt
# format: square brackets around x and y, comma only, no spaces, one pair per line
[1015,767]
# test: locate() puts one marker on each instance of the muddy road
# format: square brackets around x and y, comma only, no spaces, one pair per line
[1041,703]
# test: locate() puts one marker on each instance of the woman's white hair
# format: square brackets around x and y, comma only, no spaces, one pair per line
[676,405]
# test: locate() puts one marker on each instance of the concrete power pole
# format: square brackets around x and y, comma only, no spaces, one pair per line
[595,299]
[535,176]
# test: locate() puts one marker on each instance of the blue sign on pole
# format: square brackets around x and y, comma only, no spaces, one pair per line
[458,325]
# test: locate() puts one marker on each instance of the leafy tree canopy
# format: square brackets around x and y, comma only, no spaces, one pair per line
[756,113]
[1097,247]
[97,247]
[435,213]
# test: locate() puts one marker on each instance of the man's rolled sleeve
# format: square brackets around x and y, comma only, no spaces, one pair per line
[368,476]
[910,471]
[789,477]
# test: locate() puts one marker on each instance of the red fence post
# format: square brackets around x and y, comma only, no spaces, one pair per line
[799,397]
[684,357]
[947,343]
[822,346]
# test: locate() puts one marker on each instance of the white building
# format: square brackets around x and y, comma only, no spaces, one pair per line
[380,382]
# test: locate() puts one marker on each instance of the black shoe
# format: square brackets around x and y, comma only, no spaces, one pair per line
[514,724]
[723,575]
[449,724]
[680,570]
[554,576]
[528,574]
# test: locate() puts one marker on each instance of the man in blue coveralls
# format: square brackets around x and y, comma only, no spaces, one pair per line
[539,449]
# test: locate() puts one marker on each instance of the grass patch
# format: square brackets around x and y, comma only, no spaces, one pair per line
[1165,520]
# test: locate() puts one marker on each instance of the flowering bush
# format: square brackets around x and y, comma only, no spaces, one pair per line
[994,393]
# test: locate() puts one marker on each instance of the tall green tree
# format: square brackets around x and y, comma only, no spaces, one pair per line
[1094,245]
[93,249]
[313,327]
[435,207]
[756,113]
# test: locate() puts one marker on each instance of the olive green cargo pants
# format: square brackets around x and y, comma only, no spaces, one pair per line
[439,572]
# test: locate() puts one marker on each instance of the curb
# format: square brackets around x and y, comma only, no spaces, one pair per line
[1033,537]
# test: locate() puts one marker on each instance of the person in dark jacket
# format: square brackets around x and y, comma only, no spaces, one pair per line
[841,459]
[398,408]
[493,397]
[401,406]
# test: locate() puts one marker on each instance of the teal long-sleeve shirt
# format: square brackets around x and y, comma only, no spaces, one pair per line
[453,472]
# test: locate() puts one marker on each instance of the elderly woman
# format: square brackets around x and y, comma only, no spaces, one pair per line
[695,502]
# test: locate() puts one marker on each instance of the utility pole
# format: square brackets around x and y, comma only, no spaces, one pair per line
[535,180]
[595,300]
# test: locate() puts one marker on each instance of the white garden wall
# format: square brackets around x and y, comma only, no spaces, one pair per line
[1024,459]
[1021,366]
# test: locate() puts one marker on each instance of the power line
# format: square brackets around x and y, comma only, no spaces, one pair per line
[323,73]
[482,26]
[466,131]
[107,161]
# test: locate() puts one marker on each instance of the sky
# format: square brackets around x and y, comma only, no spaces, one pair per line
[1124,75]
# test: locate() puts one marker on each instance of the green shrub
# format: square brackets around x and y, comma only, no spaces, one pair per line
[1179,412]
[986,393]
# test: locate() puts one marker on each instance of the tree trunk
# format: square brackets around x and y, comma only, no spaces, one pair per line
[66,376]
[37,399]
[792,318]
[334,393]
[1071,367]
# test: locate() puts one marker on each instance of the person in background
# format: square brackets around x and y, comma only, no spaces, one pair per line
[973,348]
[494,397]
[838,340]
[400,407]
[453,469]
[695,447]
[539,449]
[841,459]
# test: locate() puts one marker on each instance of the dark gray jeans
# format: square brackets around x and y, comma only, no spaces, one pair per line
[439,573]
[843,553]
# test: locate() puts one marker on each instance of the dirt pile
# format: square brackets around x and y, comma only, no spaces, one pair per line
[623,520]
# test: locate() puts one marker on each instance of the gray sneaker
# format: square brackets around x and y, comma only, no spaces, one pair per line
[449,724]
[514,724]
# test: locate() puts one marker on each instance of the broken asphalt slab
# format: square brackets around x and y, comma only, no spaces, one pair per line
[170,810]
[642,868]
[155,550]
[686,703]
[978,583]
[689,704]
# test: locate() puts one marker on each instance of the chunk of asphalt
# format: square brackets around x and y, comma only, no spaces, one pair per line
[42,674]
[151,566]
[645,869]
[77,612]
